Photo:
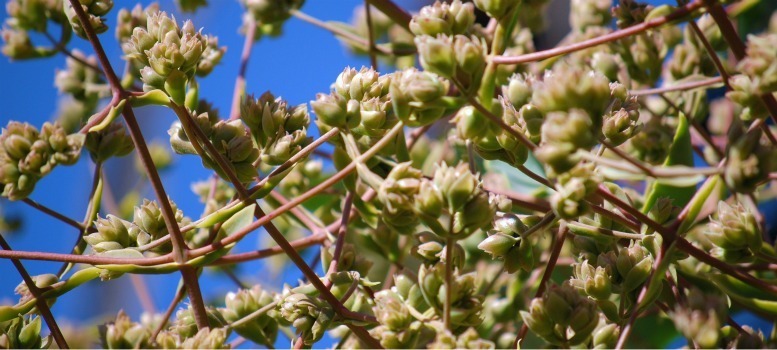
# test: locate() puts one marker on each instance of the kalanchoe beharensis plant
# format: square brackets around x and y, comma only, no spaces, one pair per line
[471,187]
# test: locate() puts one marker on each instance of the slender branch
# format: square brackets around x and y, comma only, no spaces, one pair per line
[340,242]
[680,13]
[623,155]
[179,294]
[53,213]
[396,13]
[370,35]
[678,87]
[240,80]
[554,254]
[59,45]
[40,302]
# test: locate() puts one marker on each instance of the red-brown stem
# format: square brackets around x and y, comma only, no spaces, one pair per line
[240,80]
[560,238]
[340,242]
[53,213]
[618,34]
[371,36]
[679,87]
[40,302]
[521,200]
[625,156]
[626,329]
[396,13]
[179,245]
[179,293]
[517,134]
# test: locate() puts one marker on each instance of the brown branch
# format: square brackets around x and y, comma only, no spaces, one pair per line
[560,238]
[240,80]
[40,302]
[680,13]
[370,36]
[678,87]
[340,242]
[396,13]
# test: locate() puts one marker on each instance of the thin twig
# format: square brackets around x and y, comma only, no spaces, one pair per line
[240,80]
[370,36]
[678,87]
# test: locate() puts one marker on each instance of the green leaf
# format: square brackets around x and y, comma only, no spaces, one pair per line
[680,153]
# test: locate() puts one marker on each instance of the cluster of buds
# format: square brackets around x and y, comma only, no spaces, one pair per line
[166,55]
[628,268]
[630,12]
[311,317]
[595,281]
[83,83]
[148,224]
[760,64]
[590,13]
[568,87]
[735,234]
[749,163]
[745,96]
[398,328]
[21,333]
[26,155]
[651,143]
[349,260]
[562,316]
[230,138]
[702,317]
[95,11]
[489,139]
[278,130]
[465,303]
[261,329]
[572,189]
[499,9]
[127,20]
[454,57]
[469,339]
[359,101]
[41,281]
[454,197]
[113,141]
[122,333]
[397,193]
[25,16]
[563,134]
[620,123]
[267,16]
[418,98]
[507,241]
[443,18]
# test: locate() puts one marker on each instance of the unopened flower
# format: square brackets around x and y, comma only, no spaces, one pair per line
[309,316]
[443,18]
[122,333]
[736,233]
[95,10]
[113,141]
[262,329]
[414,94]
[562,316]
[749,163]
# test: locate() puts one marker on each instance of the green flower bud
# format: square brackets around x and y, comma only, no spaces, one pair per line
[702,318]
[27,15]
[429,200]
[498,244]
[457,184]
[746,97]
[185,325]
[125,334]
[95,10]
[443,18]
[470,54]
[149,220]
[562,316]
[606,337]
[589,13]
[437,55]
[633,265]
[519,89]
[18,45]
[208,338]
[465,306]
[112,233]
[41,281]
[391,311]
[310,317]
[79,80]
[262,329]
[21,333]
[113,141]
[331,110]
[496,8]
[567,88]
[760,63]
[562,135]
[594,281]
[651,143]
[749,163]
[271,11]
[736,233]
[413,95]
[127,20]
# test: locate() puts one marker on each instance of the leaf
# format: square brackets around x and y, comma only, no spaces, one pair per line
[680,153]
[748,296]
[516,180]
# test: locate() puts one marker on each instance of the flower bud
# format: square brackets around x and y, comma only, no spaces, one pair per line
[562,316]
[702,318]
[749,163]
[437,55]
[391,311]
[651,143]
[95,10]
[470,54]
[745,95]
[594,281]
[310,317]
[585,13]
[261,329]
[18,45]
[21,333]
[519,89]
[207,338]
[567,88]
[113,141]
[633,265]
[496,8]
[760,63]
[443,18]
[736,233]
[413,94]
[112,233]
[330,109]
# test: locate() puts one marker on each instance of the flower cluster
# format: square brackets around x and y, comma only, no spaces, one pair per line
[278,130]
[27,155]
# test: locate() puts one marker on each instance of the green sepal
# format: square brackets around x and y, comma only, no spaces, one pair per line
[680,153]
[112,114]
[153,97]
